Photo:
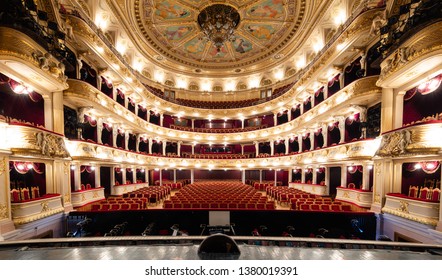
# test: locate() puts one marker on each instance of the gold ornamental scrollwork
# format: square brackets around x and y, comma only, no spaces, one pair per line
[345,195]
[67,198]
[403,207]
[45,207]
[377,198]
[3,211]
[394,144]
[3,166]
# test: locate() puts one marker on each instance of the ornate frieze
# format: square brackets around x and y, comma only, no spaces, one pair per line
[27,140]
[421,138]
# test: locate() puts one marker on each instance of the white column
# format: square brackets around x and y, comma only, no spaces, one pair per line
[341,126]
[275,119]
[161,119]
[150,145]
[77,176]
[134,175]
[97,176]
[315,176]
[387,110]
[290,177]
[242,149]
[147,115]
[178,149]
[243,176]
[276,177]
[112,177]
[114,136]
[193,123]
[327,180]
[256,148]
[126,102]
[126,140]
[272,147]
[137,143]
[174,175]
[365,177]
[242,123]
[303,175]
[324,133]
[58,112]
[192,176]
[164,147]
[99,130]
[312,140]
[161,176]
[300,143]
[193,149]
[289,114]
[136,110]
[344,175]
[48,113]
[146,176]
[123,175]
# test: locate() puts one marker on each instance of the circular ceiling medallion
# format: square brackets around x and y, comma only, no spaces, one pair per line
[228,35]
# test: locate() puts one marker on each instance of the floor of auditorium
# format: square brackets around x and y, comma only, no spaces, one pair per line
[189,252]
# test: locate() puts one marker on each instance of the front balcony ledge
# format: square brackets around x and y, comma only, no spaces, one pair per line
[354,151]
[421,138]
[310,188]
[122,189]
[36,209]
[358,197]
[80,198]
[424,212]
[31,141]
[82,94]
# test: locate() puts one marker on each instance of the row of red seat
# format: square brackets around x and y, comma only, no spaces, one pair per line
[215,205]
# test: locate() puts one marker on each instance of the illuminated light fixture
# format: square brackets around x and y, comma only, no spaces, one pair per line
[30,166]
[157,169]
[351,168]
[351,117]
[198,165]
[72,167]
[218,23]
[20,166]
[431,165]
[100,49]
[19,88]
[417,166]
[93,168]
[142,170]
[340,17]
[429,86]
[279,75]
[370,167]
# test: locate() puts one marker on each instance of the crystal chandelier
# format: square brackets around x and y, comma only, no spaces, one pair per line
[218,23]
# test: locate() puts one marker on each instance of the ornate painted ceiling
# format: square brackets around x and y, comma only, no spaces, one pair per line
[170,29]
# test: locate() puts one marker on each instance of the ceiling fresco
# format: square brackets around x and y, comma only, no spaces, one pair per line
[171,29]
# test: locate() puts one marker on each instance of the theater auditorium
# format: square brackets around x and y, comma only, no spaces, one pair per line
[276,123]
